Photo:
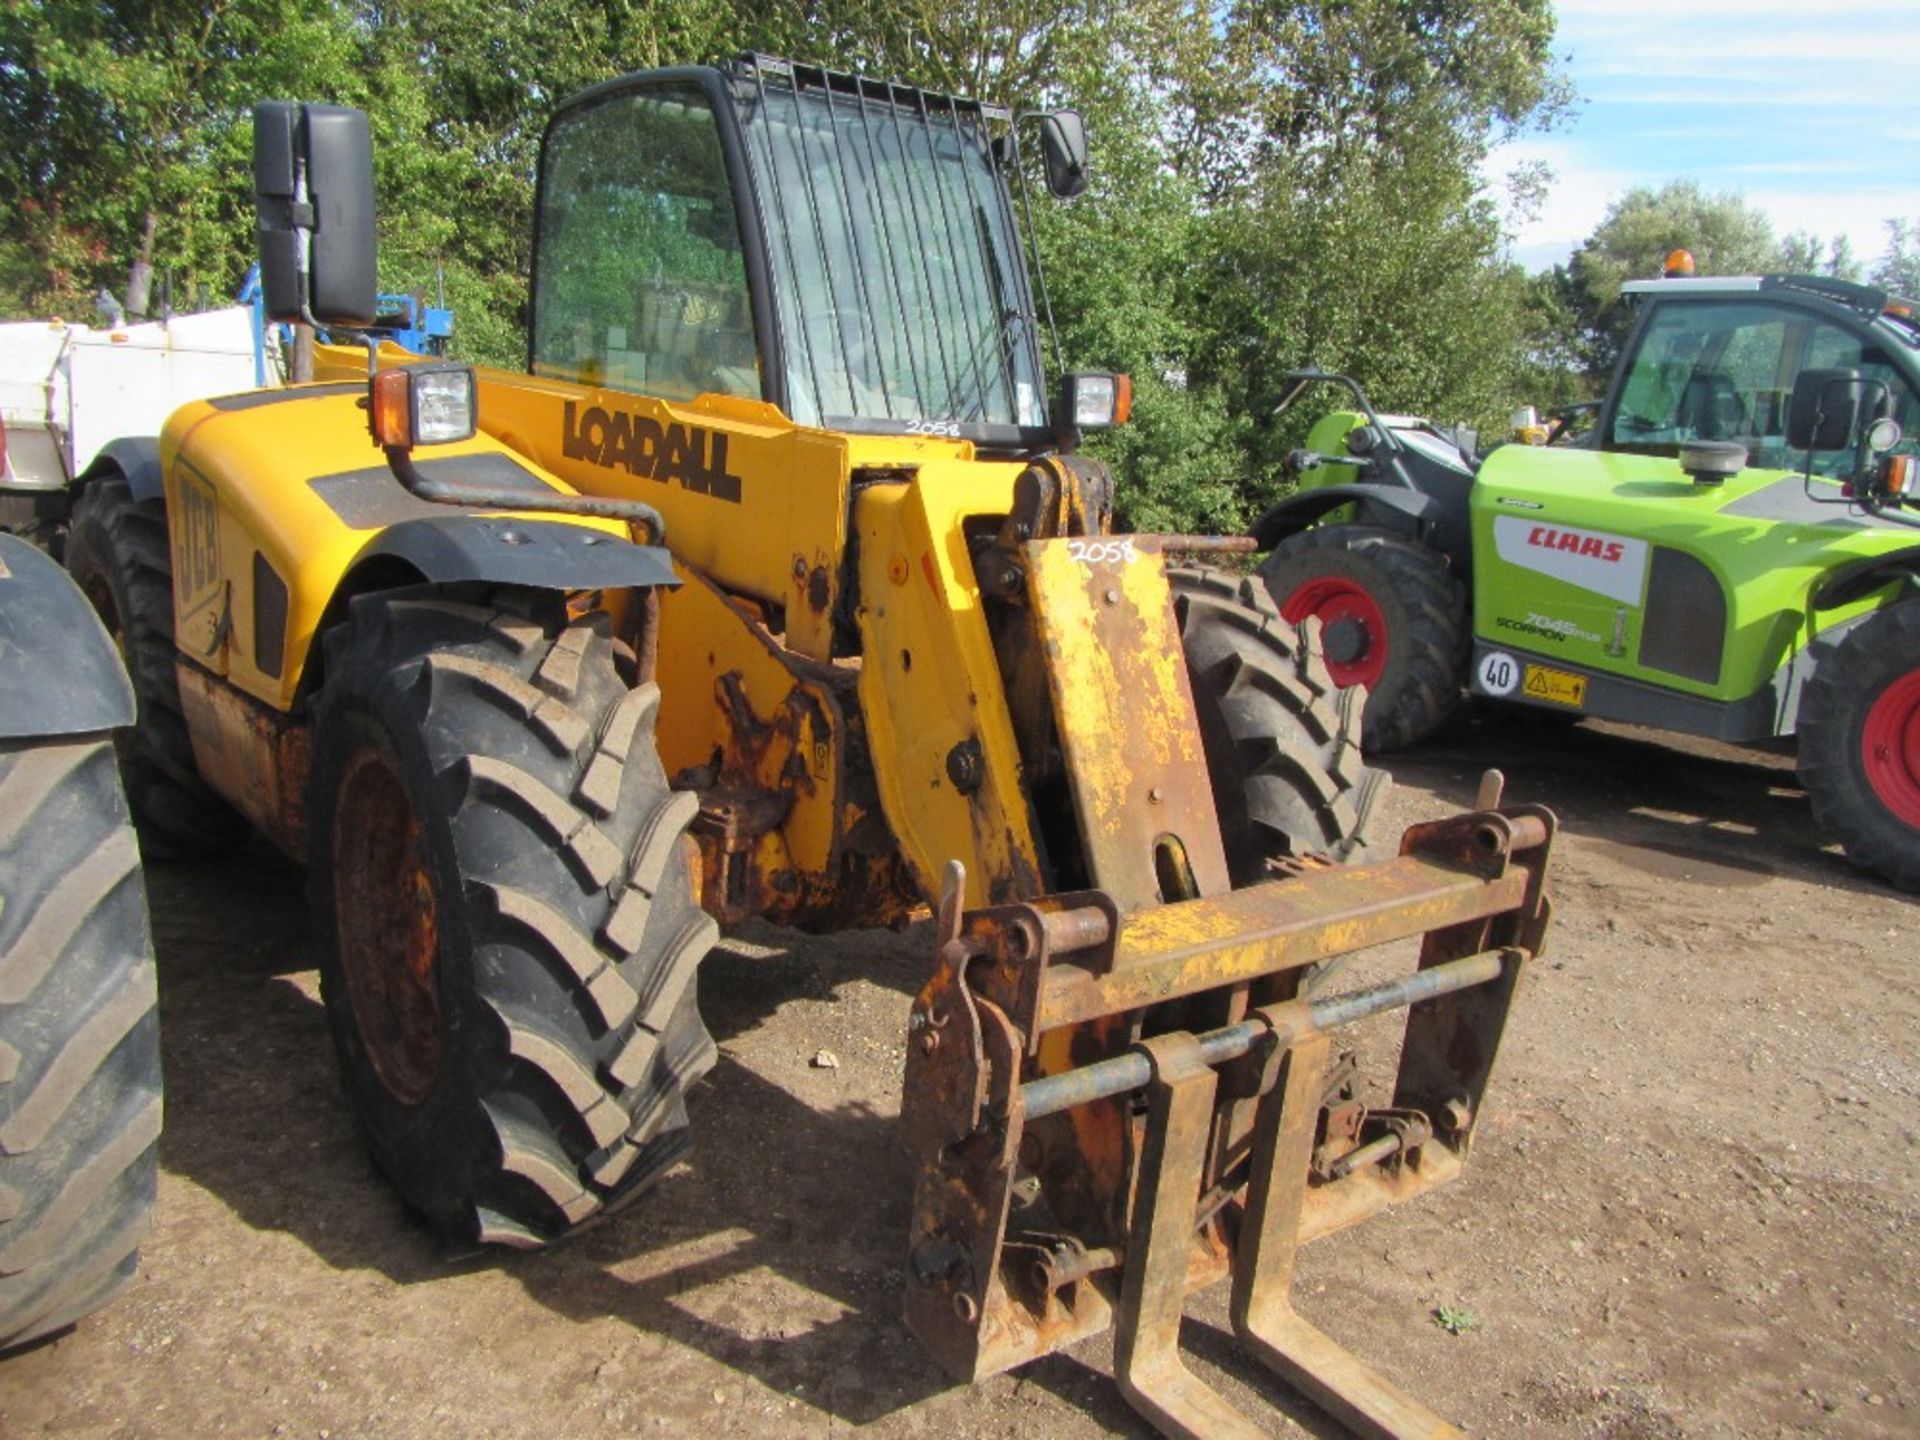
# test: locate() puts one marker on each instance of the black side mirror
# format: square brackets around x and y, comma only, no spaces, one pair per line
[1063,144]
[313,202]
[1824,409]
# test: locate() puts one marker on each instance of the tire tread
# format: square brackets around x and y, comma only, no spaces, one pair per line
[80,1091]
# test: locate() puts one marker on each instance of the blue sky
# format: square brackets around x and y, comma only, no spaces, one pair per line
[1809,108]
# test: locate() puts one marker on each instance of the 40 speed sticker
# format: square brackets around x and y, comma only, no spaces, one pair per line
[1499,673]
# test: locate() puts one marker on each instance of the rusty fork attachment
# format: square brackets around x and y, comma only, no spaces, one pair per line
[1109,1113]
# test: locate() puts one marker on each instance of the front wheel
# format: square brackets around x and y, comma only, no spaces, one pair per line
[1281,737]
[509,933]
[1393,617]
[1859,732]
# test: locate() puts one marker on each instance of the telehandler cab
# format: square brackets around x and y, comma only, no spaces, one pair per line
[776,588]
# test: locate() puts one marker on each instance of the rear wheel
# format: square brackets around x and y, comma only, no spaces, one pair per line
[117,551]
[1859,733]
[79,1038]
[1282,739]
[510,934]
[1392,616]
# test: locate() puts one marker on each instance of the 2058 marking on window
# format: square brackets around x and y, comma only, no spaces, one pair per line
[949,428]
[1118,551]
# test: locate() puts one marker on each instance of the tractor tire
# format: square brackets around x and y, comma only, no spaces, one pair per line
[79,1037]
[117,551]
[1393,617]
[508,924]
[1282,741]
[1859,733]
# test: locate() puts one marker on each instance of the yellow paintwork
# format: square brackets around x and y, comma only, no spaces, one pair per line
[790,524]
[931,681]
[1117,673]
[790,521]
[784,544]
[703,638]
[237,482]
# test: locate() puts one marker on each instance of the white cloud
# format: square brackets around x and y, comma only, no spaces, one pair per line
[1746,47]
[1657,18]
[1575,201]
[1841,96]
[1578,199]
[1859,214]
[1860,165]
[1793,106]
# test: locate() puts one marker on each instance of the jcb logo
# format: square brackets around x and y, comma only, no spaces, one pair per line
[643,446]
[197,558]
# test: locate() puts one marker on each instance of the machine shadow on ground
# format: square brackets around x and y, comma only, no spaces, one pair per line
[1662,803]
[815,1196]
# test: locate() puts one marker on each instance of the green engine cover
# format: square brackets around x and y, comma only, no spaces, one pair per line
[1614,585]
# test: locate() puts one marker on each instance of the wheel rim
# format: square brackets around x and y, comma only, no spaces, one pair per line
[387,922]
[1353,632]
[1890,748]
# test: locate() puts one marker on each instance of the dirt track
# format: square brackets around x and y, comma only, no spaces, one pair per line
[1693,1211]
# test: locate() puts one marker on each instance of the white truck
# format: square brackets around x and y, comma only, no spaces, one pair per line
[69,391]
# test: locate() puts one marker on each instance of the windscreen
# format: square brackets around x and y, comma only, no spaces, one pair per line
[901,301]
[640,282]
[1725,371]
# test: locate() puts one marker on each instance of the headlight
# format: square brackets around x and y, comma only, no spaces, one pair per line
[423,405]
[1096,399]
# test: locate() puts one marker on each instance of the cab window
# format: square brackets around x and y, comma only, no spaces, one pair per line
[1725,370]
[640,281]
[1843,349]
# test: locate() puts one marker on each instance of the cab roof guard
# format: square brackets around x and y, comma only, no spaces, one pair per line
[1867,300]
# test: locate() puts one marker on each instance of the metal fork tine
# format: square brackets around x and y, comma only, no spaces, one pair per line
[1263,1315]
[1146,1351]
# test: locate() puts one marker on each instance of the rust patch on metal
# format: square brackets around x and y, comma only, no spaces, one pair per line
[1123,709]
[256,758]
[387,920]
[1207,544]
[748,793]
[1049,1205]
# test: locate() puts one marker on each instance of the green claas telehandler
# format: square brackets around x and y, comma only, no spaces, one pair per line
[1732,551]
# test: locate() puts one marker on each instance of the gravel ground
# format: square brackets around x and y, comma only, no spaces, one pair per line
[1691,1212]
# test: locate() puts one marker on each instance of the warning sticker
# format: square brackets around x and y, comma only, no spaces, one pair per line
[1556,687]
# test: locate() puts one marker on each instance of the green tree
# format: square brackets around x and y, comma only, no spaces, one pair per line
[120,121]
[1805,253]
[1353,232]
[461,95]
[1726,236]
[1276,183]
[1552,368]
[1898,269]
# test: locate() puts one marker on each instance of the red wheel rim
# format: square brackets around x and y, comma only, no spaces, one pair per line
[1890,748]
[389,935]
[1351,627]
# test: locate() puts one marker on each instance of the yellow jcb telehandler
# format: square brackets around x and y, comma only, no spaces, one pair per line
[777,586]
